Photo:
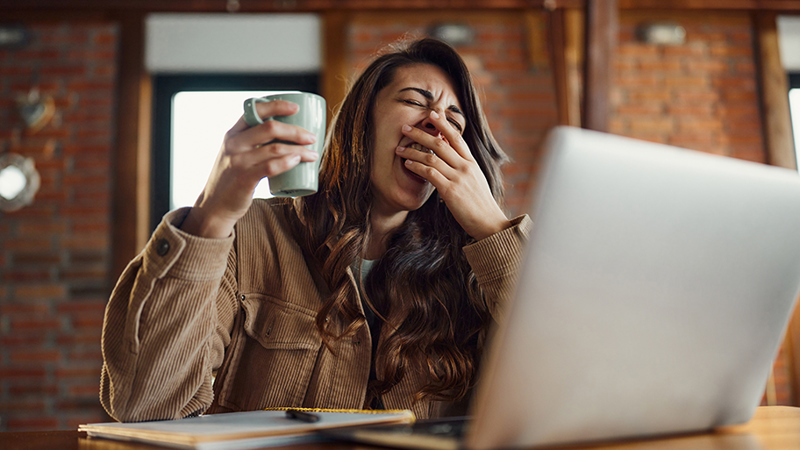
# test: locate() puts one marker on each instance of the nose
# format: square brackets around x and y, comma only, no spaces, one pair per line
[428,126]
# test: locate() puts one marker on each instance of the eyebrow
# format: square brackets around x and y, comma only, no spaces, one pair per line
[429,95]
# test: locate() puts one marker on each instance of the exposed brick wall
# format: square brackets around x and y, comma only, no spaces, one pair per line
[55,253]
[518,98]
[701,95]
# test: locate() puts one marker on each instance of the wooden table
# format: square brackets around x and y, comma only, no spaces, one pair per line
[772,428]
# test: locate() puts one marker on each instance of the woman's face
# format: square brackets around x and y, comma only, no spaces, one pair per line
[414,92]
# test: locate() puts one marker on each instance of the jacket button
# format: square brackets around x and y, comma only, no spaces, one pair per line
[162,247]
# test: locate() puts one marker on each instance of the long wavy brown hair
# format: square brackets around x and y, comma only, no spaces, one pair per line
[423,286]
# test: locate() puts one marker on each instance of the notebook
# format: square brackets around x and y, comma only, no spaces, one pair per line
[241,430]
[653,296]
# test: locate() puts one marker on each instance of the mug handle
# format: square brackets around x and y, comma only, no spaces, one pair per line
[251,117]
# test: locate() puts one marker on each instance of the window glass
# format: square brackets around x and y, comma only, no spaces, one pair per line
[794,104]
[200,120]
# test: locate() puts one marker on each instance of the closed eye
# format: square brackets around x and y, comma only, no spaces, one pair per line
[456,125]
[413,102]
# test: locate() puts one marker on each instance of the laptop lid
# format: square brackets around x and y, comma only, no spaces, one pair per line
[655,290]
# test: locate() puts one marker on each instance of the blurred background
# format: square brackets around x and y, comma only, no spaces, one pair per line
[102,103]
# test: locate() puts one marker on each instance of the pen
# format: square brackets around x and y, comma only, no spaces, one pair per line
[302,416]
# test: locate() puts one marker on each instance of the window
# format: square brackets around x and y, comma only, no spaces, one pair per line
[192,113]
[794,106]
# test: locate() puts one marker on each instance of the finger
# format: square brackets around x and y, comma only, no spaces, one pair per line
[276,108]
[426,159]
[435,177]
[275,150]
[276,166]
[266,110]
[267,132]
[439,146]
[453,136]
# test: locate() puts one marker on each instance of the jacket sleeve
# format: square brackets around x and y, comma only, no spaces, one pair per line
[495,261]
[167,324]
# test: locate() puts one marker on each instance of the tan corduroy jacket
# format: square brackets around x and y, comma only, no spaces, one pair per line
[242,309]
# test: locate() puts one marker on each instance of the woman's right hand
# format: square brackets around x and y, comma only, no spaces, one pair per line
[242,162]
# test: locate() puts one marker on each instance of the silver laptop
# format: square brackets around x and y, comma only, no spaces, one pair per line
[652,299]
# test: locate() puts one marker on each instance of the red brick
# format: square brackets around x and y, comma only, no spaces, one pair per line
[37,388]
[696,96]
[32,423]
[684,51]
[85,390]
[35,356]
[18,339]
[22,405]
[730,51]
[105,38]
[81,86]
[83,149]
[15,71]
[29,228]
[23,373]
[63,71]
[61,133]
[704,110]
[640,109]
[40,291]
[625,50]
[79,337]
[78,372]
[26,276]
[31,54]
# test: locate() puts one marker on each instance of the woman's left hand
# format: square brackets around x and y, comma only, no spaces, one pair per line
[453,171]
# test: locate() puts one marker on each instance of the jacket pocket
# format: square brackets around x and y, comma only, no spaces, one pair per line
[278,355]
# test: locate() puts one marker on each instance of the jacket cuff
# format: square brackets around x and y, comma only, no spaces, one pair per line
[171,251]
[498,255]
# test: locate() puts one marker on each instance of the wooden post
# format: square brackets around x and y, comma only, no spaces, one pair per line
[335,64]
[601,39]
[566,50]
[131,195]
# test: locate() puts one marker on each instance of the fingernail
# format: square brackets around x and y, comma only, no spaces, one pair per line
[311,137]
[313,155]
[434,114]
[294,160]
[401,149]
[406,128]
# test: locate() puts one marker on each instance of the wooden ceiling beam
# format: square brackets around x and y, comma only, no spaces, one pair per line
[245,6]
[248,6]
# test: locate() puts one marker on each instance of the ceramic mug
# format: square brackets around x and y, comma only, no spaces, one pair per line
[303,178]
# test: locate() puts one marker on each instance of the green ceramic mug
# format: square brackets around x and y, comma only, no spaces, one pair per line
[303,178]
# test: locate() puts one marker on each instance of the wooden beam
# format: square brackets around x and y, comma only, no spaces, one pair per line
[574,51]
[558,63]
[274,6]
[785,6]
[131,170]
[538,57]
[766,5]
[779,141]
[602,25]
[335,64]
[774,94]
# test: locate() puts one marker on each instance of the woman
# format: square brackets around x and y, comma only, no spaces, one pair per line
[376,292]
